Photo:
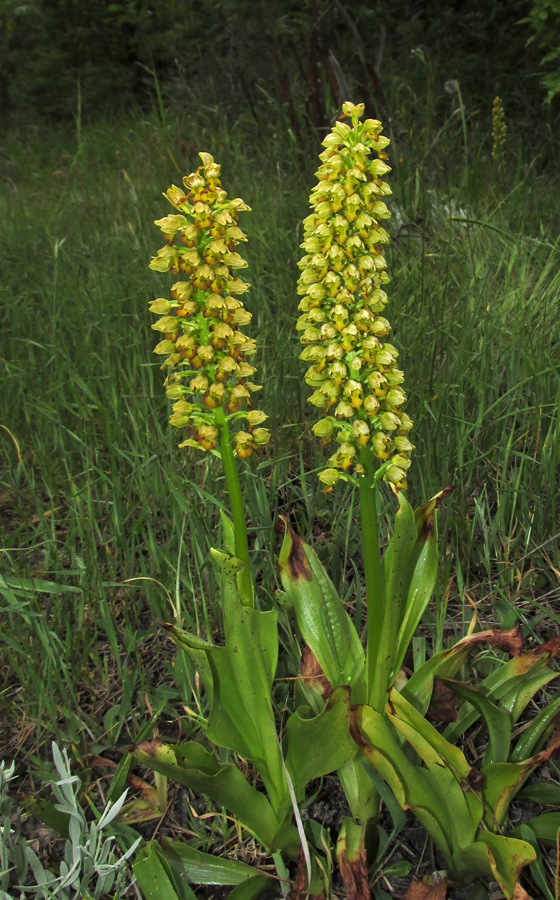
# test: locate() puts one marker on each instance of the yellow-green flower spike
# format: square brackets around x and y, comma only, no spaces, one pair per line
[499,129]
[204,347]
[353,368]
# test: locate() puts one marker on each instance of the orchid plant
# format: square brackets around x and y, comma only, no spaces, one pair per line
[361,707]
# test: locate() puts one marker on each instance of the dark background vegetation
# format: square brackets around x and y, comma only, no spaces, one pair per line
[300,55]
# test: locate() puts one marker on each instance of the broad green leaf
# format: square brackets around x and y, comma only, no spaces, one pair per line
[154,876]
[322,620]
[418,689]
[319,745]
[519,695]
[502,782]
[193,767]
[545,793]
[419,593]
[242,715]
[497,720]
[471,862]
[426,740]
[250,889]
[409,568]
[359,788]
[397,567]
[546,827]
[493,855]
[516,682]
[545,719]
[203,868]
[414,787]
[446,764]
[508,858]
[513,684]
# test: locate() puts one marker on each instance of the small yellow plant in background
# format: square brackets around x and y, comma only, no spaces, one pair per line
[499,130]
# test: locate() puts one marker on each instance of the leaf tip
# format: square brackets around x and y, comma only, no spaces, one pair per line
[295,560]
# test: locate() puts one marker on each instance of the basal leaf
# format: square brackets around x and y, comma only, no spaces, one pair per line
[418,689]
[493,855]
[154,877]
[545,827]
[242,715]
[414,787]
[508,856]
[323,622]
[198,867]
[458,784]
[529,741]
[321,744]
[193,767]
[497,720]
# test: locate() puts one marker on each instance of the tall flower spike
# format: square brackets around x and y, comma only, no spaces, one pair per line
[203,343]
[353,367]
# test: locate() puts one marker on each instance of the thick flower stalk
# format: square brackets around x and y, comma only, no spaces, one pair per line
[204,347]
[206,351]
[353,367]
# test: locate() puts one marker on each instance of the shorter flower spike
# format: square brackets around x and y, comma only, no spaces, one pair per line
[353,368]
[204,348]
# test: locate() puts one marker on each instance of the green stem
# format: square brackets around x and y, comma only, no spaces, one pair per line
[237,508]
[375,588]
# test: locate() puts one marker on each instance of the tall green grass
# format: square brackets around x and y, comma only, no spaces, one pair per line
[106,525]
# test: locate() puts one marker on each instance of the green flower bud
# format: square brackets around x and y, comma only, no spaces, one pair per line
[255,417]
[344,410]
[261,436]
[323,429]
[174,391]
[167,323]
[402,444]
[395,397]
[161,306]
[164,347]
[330,477]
